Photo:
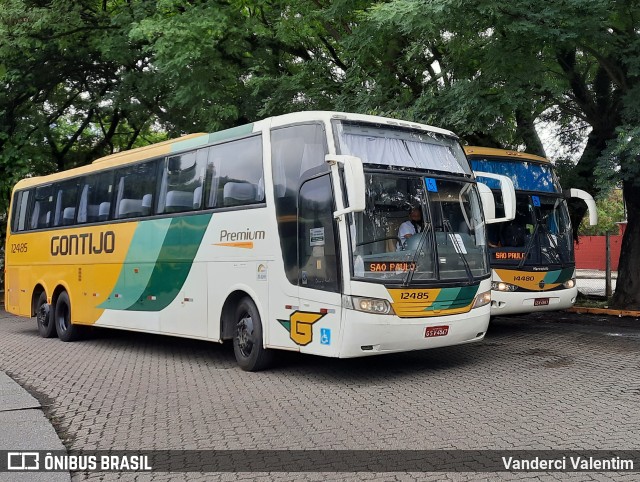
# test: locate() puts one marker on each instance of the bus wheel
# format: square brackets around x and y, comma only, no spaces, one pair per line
[46,326]
[250,353]
[67,331]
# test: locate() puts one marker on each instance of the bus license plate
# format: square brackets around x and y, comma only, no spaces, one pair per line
[436,331]
[540,301]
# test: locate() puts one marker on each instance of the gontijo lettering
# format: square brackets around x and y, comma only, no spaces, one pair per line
[85,243]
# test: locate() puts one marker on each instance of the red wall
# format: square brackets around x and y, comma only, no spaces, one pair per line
[591,251]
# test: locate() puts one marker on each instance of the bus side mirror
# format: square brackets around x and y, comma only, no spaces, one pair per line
[587,198]
[353,180]
[488,202]
[508,198]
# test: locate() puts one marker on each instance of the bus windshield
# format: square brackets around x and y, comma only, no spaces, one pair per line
[540,234]
[526,175]
[417,226]
[416,229]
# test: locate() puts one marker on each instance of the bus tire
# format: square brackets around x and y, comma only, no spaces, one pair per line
[67,331]
[248,347]
[44,318]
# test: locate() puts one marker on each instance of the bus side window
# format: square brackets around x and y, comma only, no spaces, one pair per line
[66,200]
[136,190]
[317,261]
[237,177]
[20,205]
[42,208]
[182,180]
[295,150]
[95,198]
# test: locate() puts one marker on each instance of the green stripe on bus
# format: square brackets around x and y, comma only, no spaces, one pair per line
[452,298]
[205,139]
[174,262]
[558,276]
[142,255]
[190,143]
[231,133]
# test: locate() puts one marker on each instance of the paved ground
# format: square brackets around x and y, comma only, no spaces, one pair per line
[25,428]
[555,381]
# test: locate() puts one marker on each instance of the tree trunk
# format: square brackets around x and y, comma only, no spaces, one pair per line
[627,294]
[582,175]
[526,130]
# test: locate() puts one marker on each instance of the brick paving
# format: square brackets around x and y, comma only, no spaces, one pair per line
[553,381]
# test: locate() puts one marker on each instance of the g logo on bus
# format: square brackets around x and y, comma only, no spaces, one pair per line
[300,326]
[541,284]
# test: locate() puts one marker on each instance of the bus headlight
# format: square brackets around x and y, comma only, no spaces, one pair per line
[569,284]
[367,305]
[502,286]
[482,299]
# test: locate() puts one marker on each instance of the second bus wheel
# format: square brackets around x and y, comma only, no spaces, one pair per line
[44,318]
[248,346]
[67,331]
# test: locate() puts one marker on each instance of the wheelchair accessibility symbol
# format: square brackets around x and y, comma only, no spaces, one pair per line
[431,184]
[325,336]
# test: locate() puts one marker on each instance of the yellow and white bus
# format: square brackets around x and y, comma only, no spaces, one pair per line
[281,234]
[532,256]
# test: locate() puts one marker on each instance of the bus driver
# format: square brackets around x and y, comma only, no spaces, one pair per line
[412,226]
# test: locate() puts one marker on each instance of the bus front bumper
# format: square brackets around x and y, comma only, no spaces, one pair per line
[531,301]
[368,334]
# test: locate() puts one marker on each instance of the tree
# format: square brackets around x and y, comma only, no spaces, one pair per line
[611,211]
[566,61]
[85,78]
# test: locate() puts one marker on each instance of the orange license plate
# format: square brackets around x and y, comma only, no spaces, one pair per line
[436,331]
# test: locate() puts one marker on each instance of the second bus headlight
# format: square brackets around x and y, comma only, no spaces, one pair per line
[569,284]
[367,305]
[502,286]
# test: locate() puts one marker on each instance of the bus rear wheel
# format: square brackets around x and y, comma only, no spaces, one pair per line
[248,347]
[67,331]
[46,326]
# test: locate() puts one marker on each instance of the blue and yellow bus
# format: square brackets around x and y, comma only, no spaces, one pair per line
[532,256]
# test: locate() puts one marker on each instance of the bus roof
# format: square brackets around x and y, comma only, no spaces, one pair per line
[473,151]
[202,139]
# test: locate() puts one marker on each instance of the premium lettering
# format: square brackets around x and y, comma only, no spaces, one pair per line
[85,243]
[241,235]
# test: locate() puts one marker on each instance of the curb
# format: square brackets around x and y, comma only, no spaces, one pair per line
[25,428]
[604,311]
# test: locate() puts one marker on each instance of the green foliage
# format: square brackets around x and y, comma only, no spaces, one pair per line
[611,211]
[85,78]
[621,160]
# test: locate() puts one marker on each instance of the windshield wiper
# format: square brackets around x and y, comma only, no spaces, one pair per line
[457,248]
[540,226]
[553,243]
[410,271]
[529,244]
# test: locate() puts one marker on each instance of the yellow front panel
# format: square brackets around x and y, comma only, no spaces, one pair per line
[530,280]
[414,303]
